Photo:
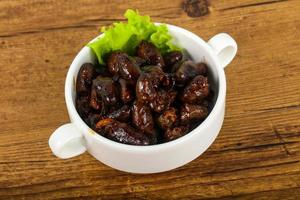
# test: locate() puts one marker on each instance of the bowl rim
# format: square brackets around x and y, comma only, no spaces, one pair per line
[157,147]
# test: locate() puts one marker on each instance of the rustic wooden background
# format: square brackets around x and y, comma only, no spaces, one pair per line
[257,154]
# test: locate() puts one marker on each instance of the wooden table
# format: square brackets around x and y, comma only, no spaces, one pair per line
[257,154]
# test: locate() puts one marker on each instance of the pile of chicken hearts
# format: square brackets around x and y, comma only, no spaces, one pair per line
[144,99]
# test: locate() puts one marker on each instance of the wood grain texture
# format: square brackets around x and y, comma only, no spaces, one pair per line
[257,154]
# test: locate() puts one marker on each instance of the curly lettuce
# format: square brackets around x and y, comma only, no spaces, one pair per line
[126,36]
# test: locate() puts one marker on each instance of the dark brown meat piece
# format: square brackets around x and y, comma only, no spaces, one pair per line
[123,114]
[121,132]
[156,73]
[95,101]
[143,120]
[196,90]
[84,79]
[172,58]
[162,100]
[121,64]
[174,133]
[190,113]
[82,106]
[168,118]
[150,53]
[126,91]
[148,84]
[187,70]
[145,90]
[107,90]
[168,82]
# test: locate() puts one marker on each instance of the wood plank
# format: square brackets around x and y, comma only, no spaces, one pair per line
[257,154]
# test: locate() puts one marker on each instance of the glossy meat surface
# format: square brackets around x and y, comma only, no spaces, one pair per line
[146,98]
[121,132]
[150,53]
[196,90]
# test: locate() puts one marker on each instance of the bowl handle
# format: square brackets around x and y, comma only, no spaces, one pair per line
[67,141]
[224,46]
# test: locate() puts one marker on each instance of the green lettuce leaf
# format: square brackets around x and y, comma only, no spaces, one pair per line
[126,36]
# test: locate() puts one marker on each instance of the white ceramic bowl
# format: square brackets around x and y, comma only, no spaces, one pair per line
[76,137]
